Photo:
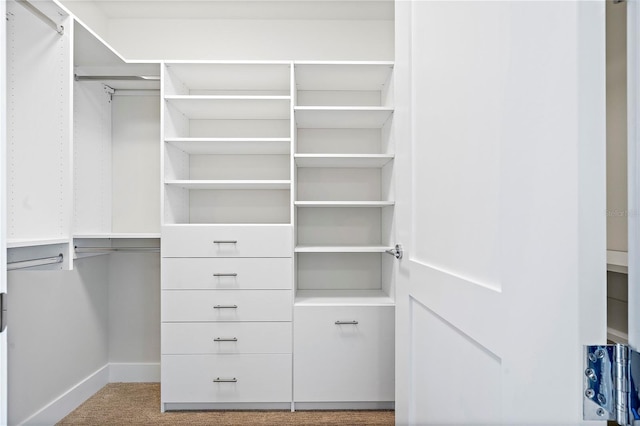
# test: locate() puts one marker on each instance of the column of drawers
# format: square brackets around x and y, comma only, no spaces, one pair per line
[226,314]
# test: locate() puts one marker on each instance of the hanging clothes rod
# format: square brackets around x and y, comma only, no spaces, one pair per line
[117,77]
[29,263]
[110,249]
[50,22]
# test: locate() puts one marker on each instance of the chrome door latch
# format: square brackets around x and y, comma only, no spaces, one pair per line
[611,381]
[395,252]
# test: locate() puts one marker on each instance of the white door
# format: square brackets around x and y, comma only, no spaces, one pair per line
[3,234]
[501,208]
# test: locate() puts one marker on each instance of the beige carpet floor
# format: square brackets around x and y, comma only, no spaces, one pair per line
[139,404]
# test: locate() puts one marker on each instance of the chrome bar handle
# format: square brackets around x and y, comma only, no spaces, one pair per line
[225,241]
[229,274]
[346,322]
[225,307]
[225,339]
[221,380]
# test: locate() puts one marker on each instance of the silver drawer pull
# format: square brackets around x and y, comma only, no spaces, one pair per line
[225,339]
[229,274]
[221,380]
[225,307]
[346,322]
[225,242]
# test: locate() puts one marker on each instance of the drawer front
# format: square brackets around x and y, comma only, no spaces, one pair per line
[227,338]
[226,305]
[242,378]
[227,241]
[343,362]
[227,273]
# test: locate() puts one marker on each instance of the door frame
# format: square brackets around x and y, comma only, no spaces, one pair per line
[633,165]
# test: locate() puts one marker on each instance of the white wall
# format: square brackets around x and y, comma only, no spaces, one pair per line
[57,333]
[195,39]
[134,308]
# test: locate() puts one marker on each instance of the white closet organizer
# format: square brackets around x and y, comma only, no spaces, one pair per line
[116,127]
[344,314]
[39,149]
[227,236]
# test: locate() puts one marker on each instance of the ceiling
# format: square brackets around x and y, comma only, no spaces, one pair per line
[241,9]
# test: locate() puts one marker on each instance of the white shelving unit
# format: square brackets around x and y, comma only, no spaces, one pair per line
[39,192]
[344,178]
[116,152]
[227,143]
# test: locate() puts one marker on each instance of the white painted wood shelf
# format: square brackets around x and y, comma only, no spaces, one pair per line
[341,249]
[342,298]
[16,243]
[617,336]
[342,75]
[206,107]
[344,203]
[230,184]
[314,117]
[231,146]
[343,160]
[119,236]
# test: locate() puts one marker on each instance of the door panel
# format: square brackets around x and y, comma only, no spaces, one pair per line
[501,209]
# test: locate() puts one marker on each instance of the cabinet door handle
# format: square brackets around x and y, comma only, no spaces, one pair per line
[225,307]
[227,274]
[225,339]
[223,380]
[346,322]
[225,242]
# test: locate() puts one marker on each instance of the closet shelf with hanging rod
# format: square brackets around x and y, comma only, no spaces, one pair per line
[30,263]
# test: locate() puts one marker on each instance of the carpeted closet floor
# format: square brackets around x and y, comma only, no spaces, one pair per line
[139,404]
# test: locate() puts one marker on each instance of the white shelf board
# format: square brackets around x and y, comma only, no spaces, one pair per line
[617,261]
[343,298]
[15,243]
[312,117]
[341,249]
[617,336]
[229,146]
[232,107]
[236,76]
[230,184]
[344,203]
[343,160]
[342,76]
[118,235]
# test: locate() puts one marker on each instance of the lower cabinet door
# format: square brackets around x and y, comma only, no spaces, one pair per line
[343,353]
[226,378]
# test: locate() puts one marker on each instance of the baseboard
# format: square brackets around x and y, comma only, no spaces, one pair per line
[134,372]
[57,409]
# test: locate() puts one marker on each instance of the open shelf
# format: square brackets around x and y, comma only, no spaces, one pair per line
[202,107]
[227,146]
[189,78]
[369,76]
[16,243]
[341,249]
[315,117]
[343,160]
[118,236]
[344,203]
[230,184]
[617,336]
[342,298]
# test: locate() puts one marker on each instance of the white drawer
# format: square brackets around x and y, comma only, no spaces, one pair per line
[349,362]
[226,305]
[227,338]
[243,378]
[227,273]
[227,241]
